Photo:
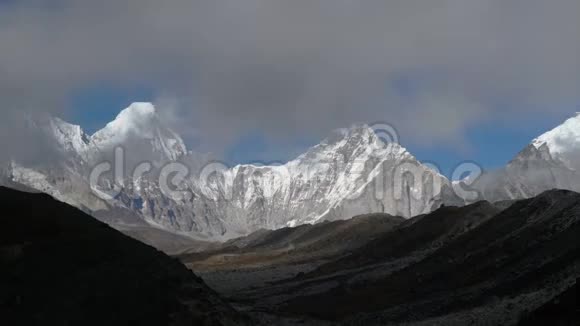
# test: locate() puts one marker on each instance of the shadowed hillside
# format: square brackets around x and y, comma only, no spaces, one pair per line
[472,265]
[59,266]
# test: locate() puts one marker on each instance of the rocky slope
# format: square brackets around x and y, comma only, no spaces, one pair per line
[525,254]
[472,265]
[59,266]
[298,245]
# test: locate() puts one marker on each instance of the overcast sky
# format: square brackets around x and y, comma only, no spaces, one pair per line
[289,70]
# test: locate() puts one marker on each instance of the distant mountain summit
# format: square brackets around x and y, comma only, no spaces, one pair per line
[548,162]
[140,123]
[350,173]
[563,142]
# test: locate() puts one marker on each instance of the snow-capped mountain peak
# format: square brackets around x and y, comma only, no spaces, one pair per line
[356,141]
[137,123]
[551,161]
[361,134]
[70,137]
[563,141]
[136,119]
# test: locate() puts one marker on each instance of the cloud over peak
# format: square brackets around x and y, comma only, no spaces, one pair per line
[289,68]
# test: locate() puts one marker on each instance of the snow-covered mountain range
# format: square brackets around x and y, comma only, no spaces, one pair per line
[550,161]
[351,172]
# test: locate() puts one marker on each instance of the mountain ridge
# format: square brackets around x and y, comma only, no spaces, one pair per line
[313,187]
[351,172]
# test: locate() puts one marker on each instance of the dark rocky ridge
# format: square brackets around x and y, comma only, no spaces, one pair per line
[560,311]
[306,243]
[472,265]
[530,248]
[59,266]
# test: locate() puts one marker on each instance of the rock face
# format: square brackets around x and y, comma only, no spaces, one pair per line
[59,266]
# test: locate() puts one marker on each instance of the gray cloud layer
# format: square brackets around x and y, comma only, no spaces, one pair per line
[302,67]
